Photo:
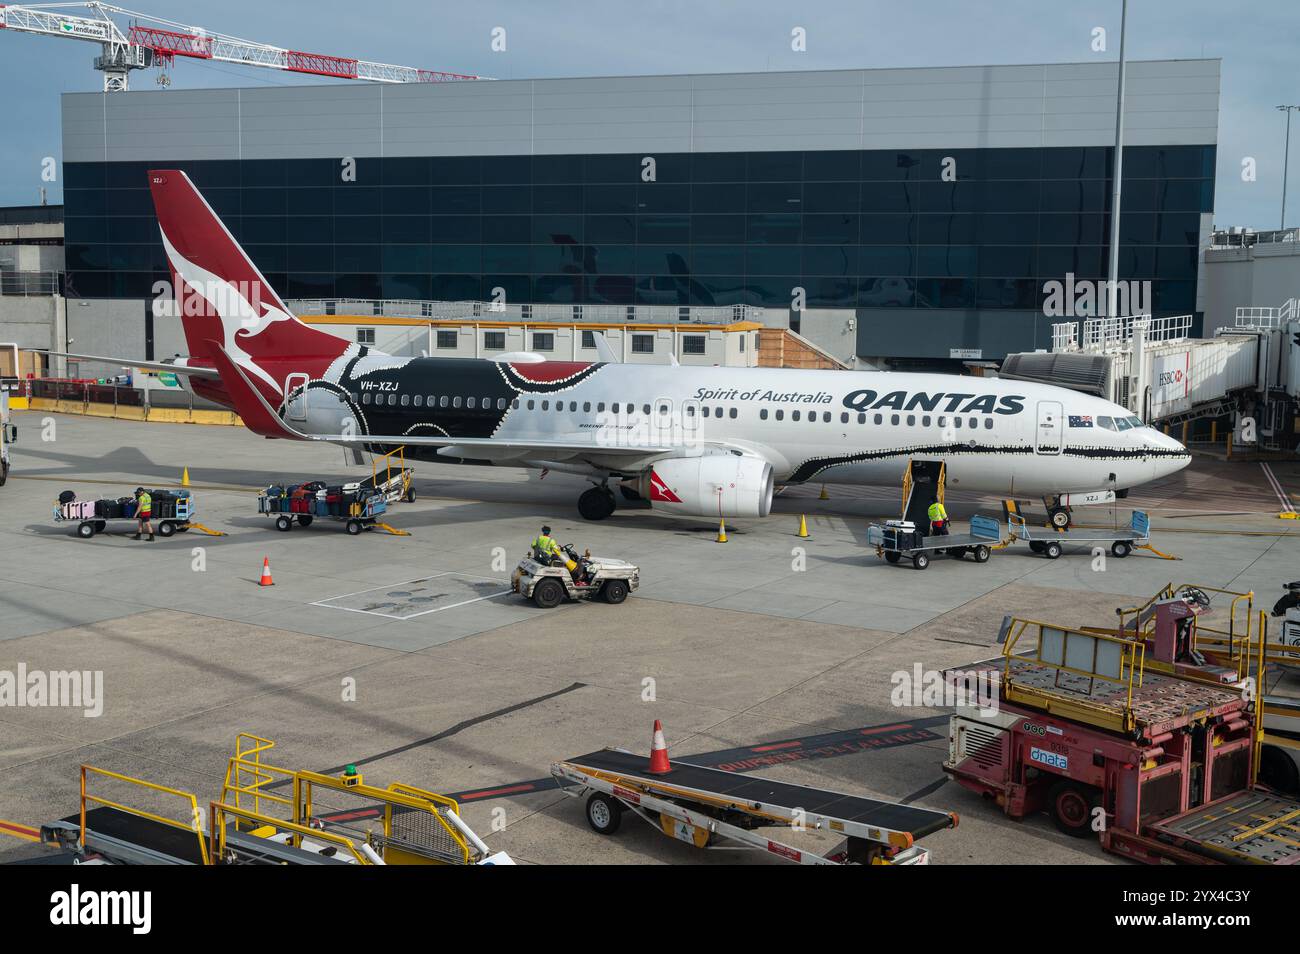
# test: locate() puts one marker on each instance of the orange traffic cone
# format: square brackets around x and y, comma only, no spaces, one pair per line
[659,752]
[266,573]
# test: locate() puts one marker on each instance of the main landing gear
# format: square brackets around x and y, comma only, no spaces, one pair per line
[1059,516]
[596,503]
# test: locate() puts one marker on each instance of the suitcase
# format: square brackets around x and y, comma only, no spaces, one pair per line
[128,507]
[901,535]
[67,496]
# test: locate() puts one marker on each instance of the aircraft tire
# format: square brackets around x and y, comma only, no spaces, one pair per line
[596,504]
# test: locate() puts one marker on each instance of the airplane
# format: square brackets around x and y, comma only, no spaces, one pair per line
[699,441]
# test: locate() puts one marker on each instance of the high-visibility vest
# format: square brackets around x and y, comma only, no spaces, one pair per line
[145,504]
[937,512]
[545,544]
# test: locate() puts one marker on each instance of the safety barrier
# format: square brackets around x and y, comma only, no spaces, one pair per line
[195,824]
[122,412]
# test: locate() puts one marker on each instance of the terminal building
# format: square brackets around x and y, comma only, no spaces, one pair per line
[891,217]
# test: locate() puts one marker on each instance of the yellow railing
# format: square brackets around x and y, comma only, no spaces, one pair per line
[219,812]
[247,775]
[389,464]
[195,824]
[1236,640]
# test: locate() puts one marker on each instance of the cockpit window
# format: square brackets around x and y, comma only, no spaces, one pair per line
[1123,423]
[1135,422]
[1107,422]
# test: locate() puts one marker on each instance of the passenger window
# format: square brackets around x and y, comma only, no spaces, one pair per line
[794,415]
[911,418]
[586,405]
[893,419]
[762,414]
[614,406]
[880,418]
[988,421]
[455,402]
[974,421]
[559,406]
[501,404]
[844,415]
[925,418]
[442,401]
[645,408]
[514,405]
[419,400]
[406,398]
[365,398]
[573,405]
[704,411]
[546,405]
[533,404]
[717,411]
[470,401]
[600,408]
[392,399]
[956,421]
[780,415]
[943,422]
[732,413]
[862,418]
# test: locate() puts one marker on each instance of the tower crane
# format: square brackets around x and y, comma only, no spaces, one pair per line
[152,41]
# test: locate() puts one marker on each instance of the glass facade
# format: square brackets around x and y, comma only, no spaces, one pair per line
[853,229]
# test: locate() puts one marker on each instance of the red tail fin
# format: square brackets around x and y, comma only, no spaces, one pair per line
[221,296]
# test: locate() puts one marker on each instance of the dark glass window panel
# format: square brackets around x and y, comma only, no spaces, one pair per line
[1007,261]
[937,260]
[662,290]
[831,197]
[1139,195]
[888,229]
[776,291]
[408,258]
[559,259]
[830,229]
[1178,229]
[827,260]
[454,170]
[507,170]
[357,258]
[774,197]
[1008,228]
[1084,195]
[455,229]
[128,202]
[516,287]
[131,257]
[557,229]
[892,164]
[228,201]
[829,292]
[266,201]
[457,259]
[78,256]
[612,229]
[358,285]
[719,197]
[456,287]
[1009,196]
[557,288]
[1137,228]
[887,292]
[717,229]
[959,229]
[1137,262]
[309,229]
[443,200]
[613,289]
[507,259]
[263,172]
[663,229]
[93,229]
[1062,229]
[126,175]
[1176,262]
[662,260]
[717,290]
[406,171]
[892,196]
[840,165]
[351,199]
[945,293]
[718,259]
[1076,162]
[1177,298]
[663,197]
[309,285]
[328,172]
[557,198]
[773,260]
[1006,164]
[884,260]
[415,287]
[718,167]
[622,169]
[407,228]
[309,258]
[311,201]
[1163,162]
[132,229]
[1083,261]
[668,167]
[85,175]
[773,228]
[263,228]
[506,229]
[84,202]
[516,199]
[611,259]
[1006,293]
[610,198]
[1180,195]
[774,167]
[358,229]
[557,169]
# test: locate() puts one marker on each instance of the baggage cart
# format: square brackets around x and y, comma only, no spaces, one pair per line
[355,506]
[897,539]
[1051,543]
[173,512]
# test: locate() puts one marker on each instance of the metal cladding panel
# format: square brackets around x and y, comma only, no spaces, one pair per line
[1170,102]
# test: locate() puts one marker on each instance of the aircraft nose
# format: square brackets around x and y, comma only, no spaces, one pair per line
[1169,455]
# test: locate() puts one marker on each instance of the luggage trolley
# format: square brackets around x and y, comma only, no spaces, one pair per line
[898,539]
[356,506]
[702,806]
[1122,542]
[173,512]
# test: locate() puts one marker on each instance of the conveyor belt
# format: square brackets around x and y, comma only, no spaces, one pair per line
[1252,826]
[756,791]
[119,826]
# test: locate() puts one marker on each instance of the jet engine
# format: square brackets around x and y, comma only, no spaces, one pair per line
[714,485]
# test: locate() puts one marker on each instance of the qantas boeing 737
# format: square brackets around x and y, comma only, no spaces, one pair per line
[692,440]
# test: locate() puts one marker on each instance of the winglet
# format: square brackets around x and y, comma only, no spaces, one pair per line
[258,416]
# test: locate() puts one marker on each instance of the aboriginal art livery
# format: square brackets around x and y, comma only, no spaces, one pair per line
[691,440]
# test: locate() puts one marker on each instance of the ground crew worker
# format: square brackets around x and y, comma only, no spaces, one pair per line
[544,548]
[143,511]
[938,520]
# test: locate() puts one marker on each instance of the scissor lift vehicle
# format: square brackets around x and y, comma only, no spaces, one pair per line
[1051,543]
[266,816]
[896,543]
[1161,767]
[712,808]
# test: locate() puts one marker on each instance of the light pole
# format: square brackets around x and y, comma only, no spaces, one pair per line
[1112,290]
[1286,160]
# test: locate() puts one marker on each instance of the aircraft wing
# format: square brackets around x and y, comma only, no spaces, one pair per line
[133,363]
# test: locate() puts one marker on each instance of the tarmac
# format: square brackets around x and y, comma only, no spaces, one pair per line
[407,655]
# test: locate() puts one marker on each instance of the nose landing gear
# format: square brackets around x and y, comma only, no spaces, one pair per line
[596,503]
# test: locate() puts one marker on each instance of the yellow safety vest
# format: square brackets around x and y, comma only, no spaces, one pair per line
[145,504]
[937,512]
[545,544]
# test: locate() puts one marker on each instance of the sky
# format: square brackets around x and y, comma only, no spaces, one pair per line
[1257,42]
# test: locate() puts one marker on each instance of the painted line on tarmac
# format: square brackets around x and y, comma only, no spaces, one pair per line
[24,832]
[1283,498]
